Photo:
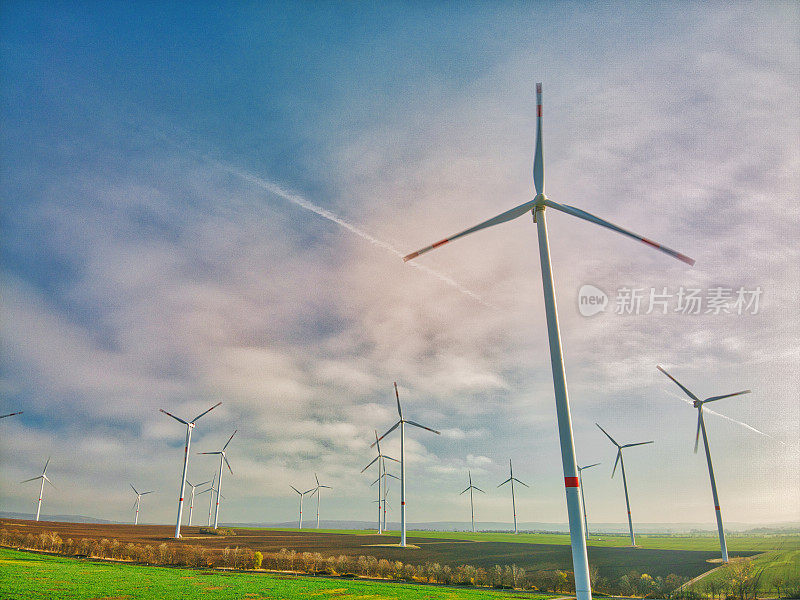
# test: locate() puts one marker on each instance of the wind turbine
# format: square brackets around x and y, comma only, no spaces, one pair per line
[19,412]
[381,471]
[137,501]
[385,490]
[471,506]
[44,478]
[301,494]
[191,501]
[537,206]
[402,424]
[621,461]
[701,426]
[189,428]
[583,502]
[316,491]
[210,491]
[222,458]
[512,479]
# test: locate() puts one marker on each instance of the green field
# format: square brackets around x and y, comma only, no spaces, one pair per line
[709,542]
[32,576]
[781,566]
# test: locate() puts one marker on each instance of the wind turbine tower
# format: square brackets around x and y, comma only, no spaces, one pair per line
[583,501]
[222,458]
[137,502]
[511,480]
[44,478]
[471,505]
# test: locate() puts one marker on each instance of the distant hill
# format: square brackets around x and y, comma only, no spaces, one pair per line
[60,518]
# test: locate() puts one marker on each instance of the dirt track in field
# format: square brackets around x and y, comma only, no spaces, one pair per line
[609,561]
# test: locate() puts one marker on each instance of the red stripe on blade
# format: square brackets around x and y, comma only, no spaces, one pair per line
[571,482]
[410,256]
[716,508]
[650,243]
[437,244]
[538,110]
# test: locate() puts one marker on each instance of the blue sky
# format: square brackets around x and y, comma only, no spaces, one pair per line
[166,173]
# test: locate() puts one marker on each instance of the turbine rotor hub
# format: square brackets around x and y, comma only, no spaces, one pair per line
[698,403]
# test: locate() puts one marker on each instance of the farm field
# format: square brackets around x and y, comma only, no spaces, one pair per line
[680,556]
[778,566]
[30,576]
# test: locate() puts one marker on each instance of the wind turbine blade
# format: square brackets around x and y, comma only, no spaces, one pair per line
[509,215]
[209,452]
[397,396]
[423,427]
[150,492]
[134,503]
[582,214]
[522,482]
[678,383]
[370,464]
[205,482]
[588,466]
[229,440]
[173,416]
[505,482]
[713,398]
[480,490]
[619,454]
[377,441]
[296,490]
[317,478]
[466,490]
[311,491]
[134,489]
[390,458]
[637,444]
[697,436]
[538,159]
[206,412]
[326,486]
[31,479]
[11,414]
[225,458]
[613,441]
[47,479]
[395,426]
[45,465]
[392,476]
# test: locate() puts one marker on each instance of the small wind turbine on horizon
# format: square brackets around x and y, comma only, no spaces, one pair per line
[385,490]
[381,472]
[512,479]
[316,491]
[44,478]
[402,424]
[583,501]
[301,494]
[189,427]
[621,461]
[537,207]
[222,458]
[701,426]
[471,505]
[191,499]
[137,501]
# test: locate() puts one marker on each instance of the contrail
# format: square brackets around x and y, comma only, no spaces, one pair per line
[745,425]
[276,189]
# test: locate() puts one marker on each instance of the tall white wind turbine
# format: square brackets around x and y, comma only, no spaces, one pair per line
[621,461]
[537,207]
[511,479]
[471,505]
[137,502]
[44,478]
[301,494]
[191,499]
[316,490]
[402,424]
[583,500]
[19,412]
[381,472]
[189,427]
[701,426]
[222,458]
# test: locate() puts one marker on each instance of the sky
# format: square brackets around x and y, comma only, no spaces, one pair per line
[207,202]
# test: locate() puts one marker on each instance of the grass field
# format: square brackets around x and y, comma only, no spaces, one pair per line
[31,576]
[778,566]
[736,542]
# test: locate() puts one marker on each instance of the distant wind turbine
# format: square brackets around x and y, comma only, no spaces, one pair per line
[537,207]
[621,461]
[402,424]
[44,478]
[381,470]
[137,501]
[211,490]
[316,491]
[583,501]
[222,458]
[701,426]
[189,428]
[301,494]
[471,505]
[512,479]
[191,499]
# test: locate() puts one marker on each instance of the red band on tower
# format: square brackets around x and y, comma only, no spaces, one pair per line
[571,482]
